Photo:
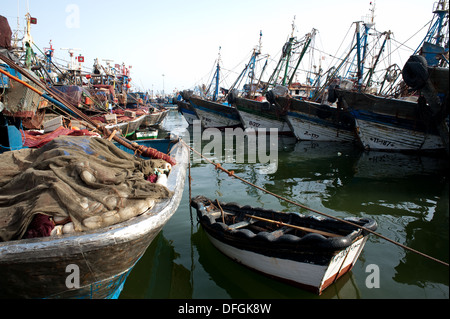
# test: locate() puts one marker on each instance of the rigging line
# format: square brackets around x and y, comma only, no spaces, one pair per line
[231,174]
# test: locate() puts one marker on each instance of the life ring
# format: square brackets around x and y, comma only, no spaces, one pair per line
[415,72]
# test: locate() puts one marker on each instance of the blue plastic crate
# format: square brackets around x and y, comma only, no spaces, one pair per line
[4,80]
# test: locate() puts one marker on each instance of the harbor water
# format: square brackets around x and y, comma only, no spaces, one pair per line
[407,195]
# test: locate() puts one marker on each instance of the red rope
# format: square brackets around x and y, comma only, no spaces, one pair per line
[153,153]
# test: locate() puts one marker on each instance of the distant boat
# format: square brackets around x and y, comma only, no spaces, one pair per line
[305,251]
[214,114]
[155,117]
[211,112]
[258,111]
[262,115]
[128,126]
[185,108]
[102,258]
[146,134]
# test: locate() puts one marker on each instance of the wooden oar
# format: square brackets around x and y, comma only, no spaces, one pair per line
[310,230]
[306,229]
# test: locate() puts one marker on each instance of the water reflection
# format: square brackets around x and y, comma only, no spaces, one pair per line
[406,194]
[157,275]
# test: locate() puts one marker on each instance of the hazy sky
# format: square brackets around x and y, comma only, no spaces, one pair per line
[181,39]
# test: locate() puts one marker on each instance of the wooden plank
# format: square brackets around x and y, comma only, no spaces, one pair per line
[53,124]
[240,224]
[306,229]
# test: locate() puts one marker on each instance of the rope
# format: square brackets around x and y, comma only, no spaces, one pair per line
[231,174]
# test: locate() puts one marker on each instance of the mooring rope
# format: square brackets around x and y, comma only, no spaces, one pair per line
[231,174]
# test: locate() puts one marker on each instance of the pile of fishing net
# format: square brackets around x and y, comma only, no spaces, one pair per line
[87,181]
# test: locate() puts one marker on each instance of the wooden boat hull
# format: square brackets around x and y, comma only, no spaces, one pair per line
[255,114]
[213,114]
[127,128]
[146,134]
[41,267]
[312,262]
[391,125]
[155,118]
[308,276]
[376,135]
[315,122]
[188,112]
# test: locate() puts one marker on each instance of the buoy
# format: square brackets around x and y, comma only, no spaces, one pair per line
[162,180]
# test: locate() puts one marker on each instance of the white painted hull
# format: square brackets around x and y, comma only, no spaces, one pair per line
[307,130]
[377,136]
[312,276]
[210,119]
[188,113]
[250,120]
[190,118]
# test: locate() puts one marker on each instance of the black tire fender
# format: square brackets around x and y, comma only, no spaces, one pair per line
[415,72]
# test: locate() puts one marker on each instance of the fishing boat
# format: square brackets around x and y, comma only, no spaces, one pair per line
[185,108]
[259,111]
[312,121]
[388,124]
[143,134]
[306,251]
[155,117]
[415,117]
[92,263]
[261,115]
[214,111]
[214,114]
[255,111]
[127,126]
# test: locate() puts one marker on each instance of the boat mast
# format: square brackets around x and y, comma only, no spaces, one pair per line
[289,51]
[372,69]
[433,46]
[216,91]
[309,38]
[367,26]
[287,47]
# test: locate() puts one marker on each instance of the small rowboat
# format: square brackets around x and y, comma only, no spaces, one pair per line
[306,251]
[148,134]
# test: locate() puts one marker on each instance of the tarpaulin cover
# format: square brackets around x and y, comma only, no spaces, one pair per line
[85,178]
[5,33]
